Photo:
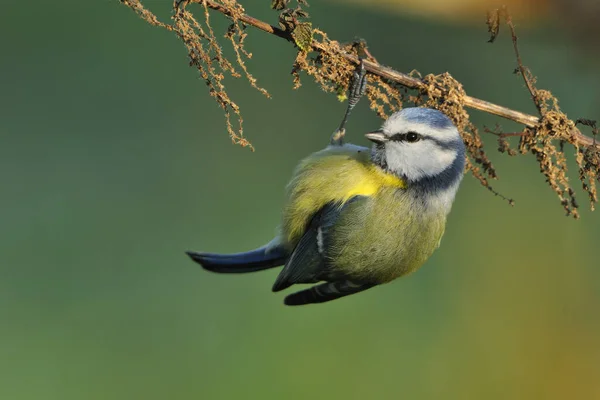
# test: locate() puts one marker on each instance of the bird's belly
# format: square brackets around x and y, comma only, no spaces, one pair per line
[385,244]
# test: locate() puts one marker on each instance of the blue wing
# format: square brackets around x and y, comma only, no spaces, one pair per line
[308,262]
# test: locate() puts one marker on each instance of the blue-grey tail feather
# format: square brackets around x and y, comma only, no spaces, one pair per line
[251,261]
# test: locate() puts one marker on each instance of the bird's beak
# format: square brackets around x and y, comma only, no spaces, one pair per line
[377,137]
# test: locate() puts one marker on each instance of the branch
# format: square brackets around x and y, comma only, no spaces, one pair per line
[332,65]
[408,81]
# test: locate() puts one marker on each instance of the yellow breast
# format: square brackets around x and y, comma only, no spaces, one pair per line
[335,174]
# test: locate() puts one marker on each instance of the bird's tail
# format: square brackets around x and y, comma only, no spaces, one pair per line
[265,257]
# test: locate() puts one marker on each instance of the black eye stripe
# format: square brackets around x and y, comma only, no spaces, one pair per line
[410,137]
[446,145]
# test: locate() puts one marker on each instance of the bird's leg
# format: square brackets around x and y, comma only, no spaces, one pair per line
[357,88]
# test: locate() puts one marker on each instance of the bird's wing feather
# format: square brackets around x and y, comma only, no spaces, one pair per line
[308,262]
[325,292]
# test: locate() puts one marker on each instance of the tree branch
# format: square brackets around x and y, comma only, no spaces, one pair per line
[407,80]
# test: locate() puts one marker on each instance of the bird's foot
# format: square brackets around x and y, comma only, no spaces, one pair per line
[357,89]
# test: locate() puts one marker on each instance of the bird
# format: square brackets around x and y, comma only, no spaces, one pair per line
[358,217]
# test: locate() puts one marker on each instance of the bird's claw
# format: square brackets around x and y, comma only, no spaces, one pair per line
[357,89]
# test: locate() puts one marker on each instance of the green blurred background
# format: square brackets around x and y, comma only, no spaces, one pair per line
[114,161]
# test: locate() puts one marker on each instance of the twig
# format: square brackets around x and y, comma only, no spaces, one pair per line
[522,69]
[411,82]
[510,134]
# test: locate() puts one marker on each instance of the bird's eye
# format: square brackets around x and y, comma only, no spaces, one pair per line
[412,137]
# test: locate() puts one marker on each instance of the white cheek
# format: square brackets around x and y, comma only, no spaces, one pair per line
[419,160]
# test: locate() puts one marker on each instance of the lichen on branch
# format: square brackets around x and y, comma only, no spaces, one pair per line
[546,140]
[331,65]
[205,52]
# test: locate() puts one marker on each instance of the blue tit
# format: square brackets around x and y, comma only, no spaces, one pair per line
[356,217]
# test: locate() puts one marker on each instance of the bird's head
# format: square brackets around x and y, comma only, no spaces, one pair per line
[420,145]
